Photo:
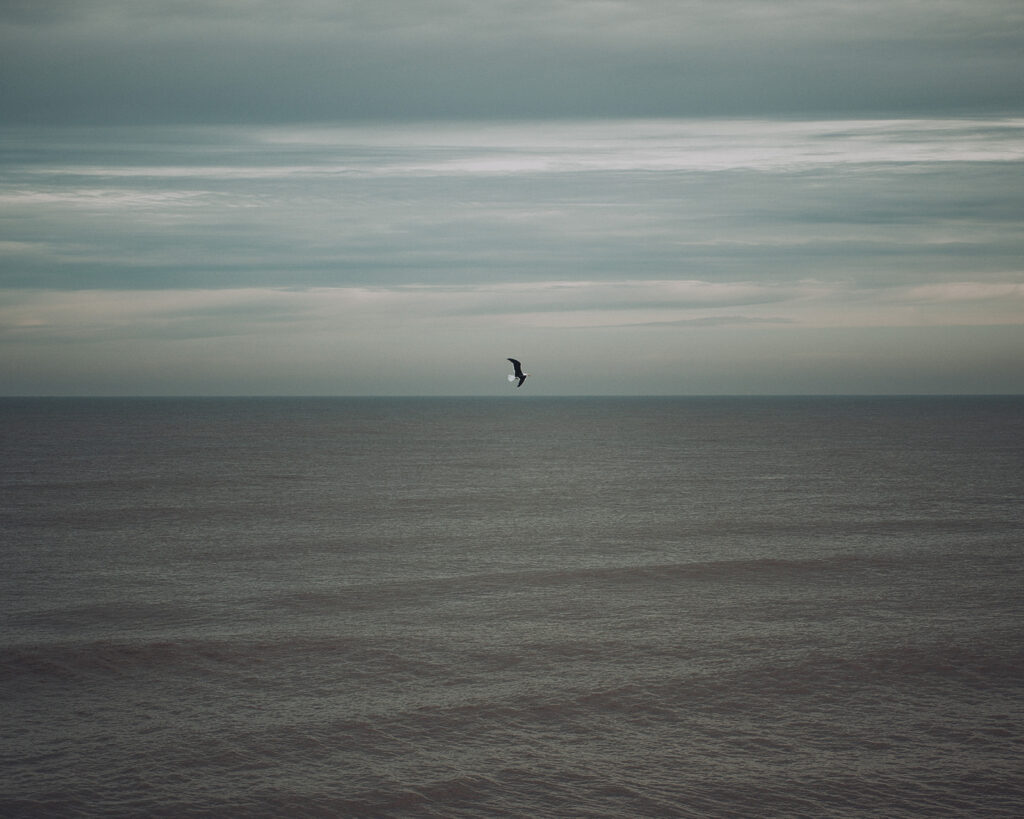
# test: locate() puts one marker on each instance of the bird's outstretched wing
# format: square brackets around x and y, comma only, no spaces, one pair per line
[518,368]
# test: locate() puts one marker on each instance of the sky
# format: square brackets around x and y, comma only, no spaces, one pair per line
[391,197]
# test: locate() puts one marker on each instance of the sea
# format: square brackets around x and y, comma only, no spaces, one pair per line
[518,606]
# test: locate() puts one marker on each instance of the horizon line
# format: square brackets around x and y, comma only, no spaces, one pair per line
[330,396]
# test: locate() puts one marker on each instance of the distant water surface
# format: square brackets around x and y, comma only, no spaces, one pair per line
[530,607]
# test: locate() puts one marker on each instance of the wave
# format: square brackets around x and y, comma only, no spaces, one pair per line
[929,728]
[409,591]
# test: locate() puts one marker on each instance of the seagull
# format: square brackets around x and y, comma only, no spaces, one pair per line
[519,373]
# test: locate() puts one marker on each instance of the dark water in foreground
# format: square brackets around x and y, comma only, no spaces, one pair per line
[524,607]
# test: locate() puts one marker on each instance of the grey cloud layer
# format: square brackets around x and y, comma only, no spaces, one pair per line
[774,202]
[120,60]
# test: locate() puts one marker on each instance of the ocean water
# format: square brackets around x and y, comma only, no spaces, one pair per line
[512,607]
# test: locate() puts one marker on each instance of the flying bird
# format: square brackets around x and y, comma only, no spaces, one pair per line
[519,373]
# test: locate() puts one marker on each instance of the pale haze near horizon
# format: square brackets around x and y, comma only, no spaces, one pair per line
[391,198]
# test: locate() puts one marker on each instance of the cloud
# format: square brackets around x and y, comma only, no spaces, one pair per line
[88,316]
[449,340]
[778,201]
[713,321]
[117,60]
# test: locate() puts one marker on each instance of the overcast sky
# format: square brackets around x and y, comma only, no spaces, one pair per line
[392,196]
